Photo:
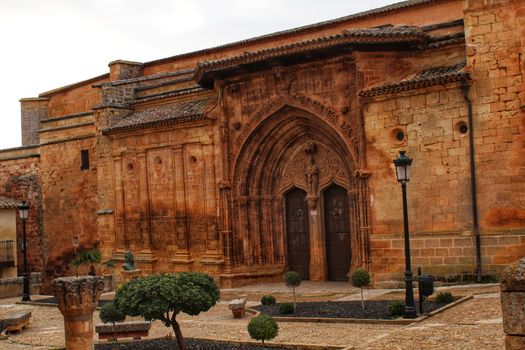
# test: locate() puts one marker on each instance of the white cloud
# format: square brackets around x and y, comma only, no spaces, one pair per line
[48,44]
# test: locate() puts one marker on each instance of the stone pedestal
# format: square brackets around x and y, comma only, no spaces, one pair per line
[238,307]
[77,298]
[512,283]
[128,275]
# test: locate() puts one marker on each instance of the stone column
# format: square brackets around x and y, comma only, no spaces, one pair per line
[317,243]
[77,298]
[512,283]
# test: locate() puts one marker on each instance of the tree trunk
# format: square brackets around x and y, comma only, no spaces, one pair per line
[178,333]
[115,341]
[362,300]
[92,271]
[294,301]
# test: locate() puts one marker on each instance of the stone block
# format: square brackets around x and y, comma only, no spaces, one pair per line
[514,342]
[237,306]
[513,277]
[513,308]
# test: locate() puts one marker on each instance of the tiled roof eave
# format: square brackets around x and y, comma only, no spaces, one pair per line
[414,84]
[153,124]
[8,203]
[205,67]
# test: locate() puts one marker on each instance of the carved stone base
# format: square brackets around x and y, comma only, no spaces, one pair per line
[77,298]
[239,279]
[212,263]
[317,273]
[130,275]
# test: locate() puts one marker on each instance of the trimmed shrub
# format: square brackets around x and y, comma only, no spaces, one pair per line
[263,327]
[444,297]
[109,313]
[396,308]
[360,279]
[293,279]
[268,300]
[286,308]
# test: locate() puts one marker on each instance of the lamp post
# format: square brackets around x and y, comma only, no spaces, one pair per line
[403,163]
[24,211]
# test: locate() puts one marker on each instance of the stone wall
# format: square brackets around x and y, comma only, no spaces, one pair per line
[69,199]
[161,200]
[20,179]
[495,35]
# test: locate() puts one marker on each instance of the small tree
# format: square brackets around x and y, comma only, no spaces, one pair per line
[360,279]
[109,265]
[87,257]
[109,313]
[293,279]
[263,327]
[163,297]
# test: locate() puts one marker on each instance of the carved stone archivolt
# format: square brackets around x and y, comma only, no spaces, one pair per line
[312,167]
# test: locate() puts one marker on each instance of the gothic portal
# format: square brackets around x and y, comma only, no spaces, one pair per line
[296,199]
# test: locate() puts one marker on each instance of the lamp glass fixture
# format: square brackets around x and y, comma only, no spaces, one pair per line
[403,164]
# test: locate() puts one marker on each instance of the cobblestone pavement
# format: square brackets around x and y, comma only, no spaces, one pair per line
[475,324]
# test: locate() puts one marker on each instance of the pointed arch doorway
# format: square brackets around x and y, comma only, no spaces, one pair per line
[337,233]
[298,232]
[280,177]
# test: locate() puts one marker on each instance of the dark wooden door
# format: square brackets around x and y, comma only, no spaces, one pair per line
[298,232]
[338,253]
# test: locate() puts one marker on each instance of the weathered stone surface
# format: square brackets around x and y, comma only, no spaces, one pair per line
[237,304]
[513,277]
[513,308]
[77,298]
[514,342]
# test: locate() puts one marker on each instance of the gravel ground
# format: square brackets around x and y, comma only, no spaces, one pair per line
[475,324]
[191,344]
[374,309]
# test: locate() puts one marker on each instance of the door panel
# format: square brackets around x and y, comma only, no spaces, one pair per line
[298,232]
[338,252]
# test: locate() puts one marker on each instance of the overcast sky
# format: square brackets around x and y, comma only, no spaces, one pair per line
[47,44]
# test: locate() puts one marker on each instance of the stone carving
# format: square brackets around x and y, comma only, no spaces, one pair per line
[129,262]
[77,298]
[314,167]
[512,283]
[312,170]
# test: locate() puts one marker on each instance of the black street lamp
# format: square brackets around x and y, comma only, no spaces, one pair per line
[24,212]
[403,164]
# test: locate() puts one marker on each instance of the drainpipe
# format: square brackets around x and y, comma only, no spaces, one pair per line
[465,88]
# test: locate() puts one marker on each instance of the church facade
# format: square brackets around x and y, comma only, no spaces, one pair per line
[275,153]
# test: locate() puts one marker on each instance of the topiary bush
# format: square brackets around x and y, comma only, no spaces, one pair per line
[286,308]
[444,297]
[263,327]
[396,308]
[360,279]
[110,313]
[268,300]
[293,279]
[163,297]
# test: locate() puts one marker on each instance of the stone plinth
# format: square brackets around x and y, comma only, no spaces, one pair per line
[238,307]
[128,275]
[512,283]
[77,298]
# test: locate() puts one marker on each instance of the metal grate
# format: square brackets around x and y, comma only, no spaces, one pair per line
[7,253]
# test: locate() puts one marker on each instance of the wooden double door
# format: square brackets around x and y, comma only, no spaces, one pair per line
[336,229]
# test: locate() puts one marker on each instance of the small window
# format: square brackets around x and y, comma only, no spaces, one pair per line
[84,155]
